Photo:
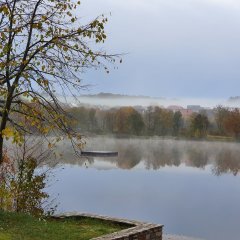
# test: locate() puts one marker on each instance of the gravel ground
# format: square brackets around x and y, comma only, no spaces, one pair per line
[176,237]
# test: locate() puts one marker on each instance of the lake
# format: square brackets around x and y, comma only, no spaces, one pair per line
[191,187]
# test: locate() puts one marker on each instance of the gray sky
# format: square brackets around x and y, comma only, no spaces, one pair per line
[187,48]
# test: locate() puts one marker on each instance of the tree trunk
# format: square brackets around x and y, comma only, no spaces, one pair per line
[4,122]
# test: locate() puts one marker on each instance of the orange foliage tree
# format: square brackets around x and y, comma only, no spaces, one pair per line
[232,123]
[128,120]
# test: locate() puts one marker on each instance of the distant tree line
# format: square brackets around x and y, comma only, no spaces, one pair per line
[156,121]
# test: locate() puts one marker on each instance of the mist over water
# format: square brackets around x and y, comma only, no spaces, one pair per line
[191,187]
[148,101]
[156,153]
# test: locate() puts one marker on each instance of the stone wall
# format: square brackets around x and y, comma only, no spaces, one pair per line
[135,231]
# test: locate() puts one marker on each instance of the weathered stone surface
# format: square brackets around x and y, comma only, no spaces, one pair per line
[136,231]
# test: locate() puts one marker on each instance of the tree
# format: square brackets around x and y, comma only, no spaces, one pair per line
[199,125]
[79,116]
[92,122]
[44,48]
[22,188]
[162,121]
[136,122]
[221,114]
[177,123]
[109,120]
[149,120]
[128,121]
[232,123]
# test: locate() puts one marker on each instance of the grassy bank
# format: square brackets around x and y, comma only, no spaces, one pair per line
[23,227]
[220,138]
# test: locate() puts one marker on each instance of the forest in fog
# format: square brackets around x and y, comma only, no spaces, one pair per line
[155,121]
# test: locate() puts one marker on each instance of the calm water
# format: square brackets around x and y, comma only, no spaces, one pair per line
[193,188]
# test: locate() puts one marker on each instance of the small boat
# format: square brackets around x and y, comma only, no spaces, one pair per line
[99,154]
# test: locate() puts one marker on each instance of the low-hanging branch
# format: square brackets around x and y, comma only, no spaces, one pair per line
[44,48]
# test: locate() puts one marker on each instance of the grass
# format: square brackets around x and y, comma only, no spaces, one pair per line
[220,138]
[15,226]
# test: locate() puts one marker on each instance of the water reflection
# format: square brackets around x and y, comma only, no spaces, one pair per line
[227,161]
[198,158]
[162,181]
[158,153]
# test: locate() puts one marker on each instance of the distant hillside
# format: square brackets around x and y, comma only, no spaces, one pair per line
[112,95]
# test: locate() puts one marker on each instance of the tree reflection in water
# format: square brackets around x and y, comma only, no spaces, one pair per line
[129,156]
[156,153]
[227,161]
[197,157]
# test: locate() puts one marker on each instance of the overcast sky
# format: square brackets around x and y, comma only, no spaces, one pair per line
[187,48]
